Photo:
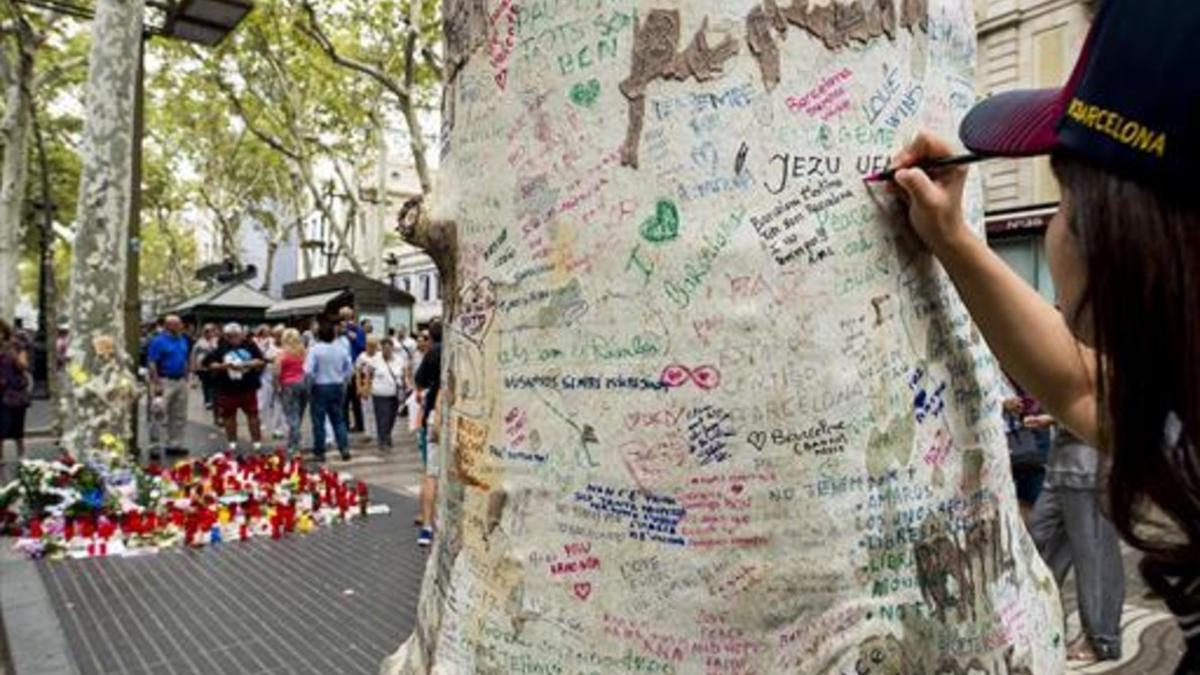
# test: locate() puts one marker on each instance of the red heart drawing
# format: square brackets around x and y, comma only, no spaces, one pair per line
[583,590]
[737,489]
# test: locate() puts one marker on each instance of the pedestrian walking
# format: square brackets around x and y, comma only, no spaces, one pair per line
[206,344]
[1071,530]
[428,380]
[328,367]
[362,379]
[237,365]
[294,386]
[15,387]
[168,359]
[1120,366]
[270,402]
[354,338]
[387,373]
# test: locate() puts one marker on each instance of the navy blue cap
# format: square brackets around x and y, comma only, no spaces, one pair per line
[1131,106]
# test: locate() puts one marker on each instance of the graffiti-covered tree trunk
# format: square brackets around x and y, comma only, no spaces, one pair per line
[711,409]
[13,171]
[101,386]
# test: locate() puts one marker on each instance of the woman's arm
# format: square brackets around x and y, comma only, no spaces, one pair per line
[1027,334]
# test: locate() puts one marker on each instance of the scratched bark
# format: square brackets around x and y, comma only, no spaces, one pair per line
[97,401]
[711,409]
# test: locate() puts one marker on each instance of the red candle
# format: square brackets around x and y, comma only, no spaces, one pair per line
[69,530]
[35,528]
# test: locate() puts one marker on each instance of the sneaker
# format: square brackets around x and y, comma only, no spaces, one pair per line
[256,447]
[345,455]
[232,448]
[425,537]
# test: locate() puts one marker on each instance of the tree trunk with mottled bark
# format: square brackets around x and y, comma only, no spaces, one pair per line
[101,385]
[13,176]
[709,407]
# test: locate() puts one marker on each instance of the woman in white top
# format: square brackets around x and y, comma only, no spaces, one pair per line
[270,403]
[388,371]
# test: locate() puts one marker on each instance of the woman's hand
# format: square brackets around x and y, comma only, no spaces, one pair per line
[934,201]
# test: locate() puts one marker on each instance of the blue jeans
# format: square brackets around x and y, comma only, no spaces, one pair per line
[295,399]
[327,402]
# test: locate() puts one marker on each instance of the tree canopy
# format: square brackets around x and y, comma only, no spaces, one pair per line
[277,125]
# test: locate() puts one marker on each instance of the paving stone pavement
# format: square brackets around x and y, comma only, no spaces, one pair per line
[335,601]
[1151,641]
[267,607]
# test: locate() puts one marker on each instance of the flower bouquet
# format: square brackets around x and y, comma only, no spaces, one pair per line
[67,508]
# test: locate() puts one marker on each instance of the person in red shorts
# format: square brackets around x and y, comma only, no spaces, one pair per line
[236,367]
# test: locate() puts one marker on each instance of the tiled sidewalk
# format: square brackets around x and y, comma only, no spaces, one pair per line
[335,601]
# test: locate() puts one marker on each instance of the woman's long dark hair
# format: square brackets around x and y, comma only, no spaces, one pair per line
[1141,247]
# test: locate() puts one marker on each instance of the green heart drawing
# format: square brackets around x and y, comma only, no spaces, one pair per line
[663,226]
[586,93]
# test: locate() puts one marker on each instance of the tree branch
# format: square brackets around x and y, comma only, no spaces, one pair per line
[317,34]
[271,141]
[403,92]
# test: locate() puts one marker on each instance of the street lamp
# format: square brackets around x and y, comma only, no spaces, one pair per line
[201,22]
[327,248]
[204,22]
[392,262]
[45,224]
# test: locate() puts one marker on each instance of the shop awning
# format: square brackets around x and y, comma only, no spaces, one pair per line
[304,305]
[235,294]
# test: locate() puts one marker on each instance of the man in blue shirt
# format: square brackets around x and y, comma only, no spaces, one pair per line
[328,366]
[356,338]
[168,362]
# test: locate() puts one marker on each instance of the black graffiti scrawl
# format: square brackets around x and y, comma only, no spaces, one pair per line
[956,564]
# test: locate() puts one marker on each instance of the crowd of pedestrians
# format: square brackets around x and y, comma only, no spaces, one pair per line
[273,377]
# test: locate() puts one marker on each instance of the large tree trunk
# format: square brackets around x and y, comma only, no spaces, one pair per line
[711,410]
[13,176]
[101,385]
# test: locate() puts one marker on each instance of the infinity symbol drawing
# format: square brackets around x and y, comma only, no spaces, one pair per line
[704,377]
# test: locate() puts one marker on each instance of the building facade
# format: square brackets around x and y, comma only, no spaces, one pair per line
[1025,44]
[392,260]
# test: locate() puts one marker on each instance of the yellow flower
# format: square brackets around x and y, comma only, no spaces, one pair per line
[111,443]
[78,375]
